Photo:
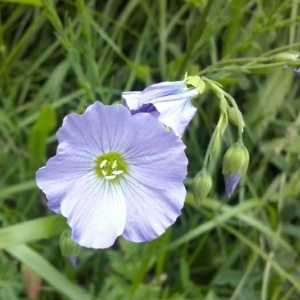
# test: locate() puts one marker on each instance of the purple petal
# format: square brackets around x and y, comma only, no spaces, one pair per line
[150,211]
[97,128]
[296,71]
[156,156]
[159,90]
[231,182]
[130,100]
[72,260]
[62,171]
[154,192]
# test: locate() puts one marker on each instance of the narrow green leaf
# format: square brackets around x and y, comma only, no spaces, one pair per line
[47,118]
[44,269]
[282,272]
[29,231]
[184,273]
[38,135]
[37,143]
[222,218]
[246,218]
[18,188]
[28,2]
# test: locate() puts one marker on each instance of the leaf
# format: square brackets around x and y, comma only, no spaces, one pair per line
[47,118]
[44,269]
[38,134]
[294,146]
[18,188]
[29,231]
[37,143]
[28,2]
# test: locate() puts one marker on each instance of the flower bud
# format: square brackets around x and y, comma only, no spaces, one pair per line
[69,248]
[233,116]
[236,159]
[201,185]
[285,56]
[235,164]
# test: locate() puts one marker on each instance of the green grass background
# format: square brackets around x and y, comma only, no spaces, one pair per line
[57,57]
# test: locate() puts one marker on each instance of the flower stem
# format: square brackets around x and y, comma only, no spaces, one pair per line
[211,142]
[240,122]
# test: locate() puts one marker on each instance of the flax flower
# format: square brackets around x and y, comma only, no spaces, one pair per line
[115,174]
[168,101]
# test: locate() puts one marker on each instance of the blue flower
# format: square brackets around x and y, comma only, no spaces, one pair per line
[170,102]
[115,174]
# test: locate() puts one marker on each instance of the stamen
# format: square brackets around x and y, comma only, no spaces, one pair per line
[109,177]
[103,163]
[110,165]
[114,165]
[117,172]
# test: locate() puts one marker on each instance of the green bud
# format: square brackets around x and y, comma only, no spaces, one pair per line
[68,247]
[236,159]
[233,116]
[201,185]
[195,82]
[286,56]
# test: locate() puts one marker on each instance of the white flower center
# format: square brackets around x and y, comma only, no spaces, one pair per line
[110,169]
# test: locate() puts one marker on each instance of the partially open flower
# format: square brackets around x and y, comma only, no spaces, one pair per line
[170,102]
[115,174]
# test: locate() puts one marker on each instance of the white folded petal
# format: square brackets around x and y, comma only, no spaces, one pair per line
[176,114]
[131,99]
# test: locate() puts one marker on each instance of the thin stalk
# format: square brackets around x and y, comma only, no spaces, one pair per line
[266,276]
[211,142]
[240,123]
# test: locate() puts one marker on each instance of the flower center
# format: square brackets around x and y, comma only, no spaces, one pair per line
[110,166]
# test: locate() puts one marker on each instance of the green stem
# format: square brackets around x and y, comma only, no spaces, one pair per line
[235,61]
[240,123]
[211,142]
[219,92]
[267,57]
[248,67]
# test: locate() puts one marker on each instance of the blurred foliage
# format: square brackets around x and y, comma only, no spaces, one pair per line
[58,57]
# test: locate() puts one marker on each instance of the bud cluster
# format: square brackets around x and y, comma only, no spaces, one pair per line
[236,158]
